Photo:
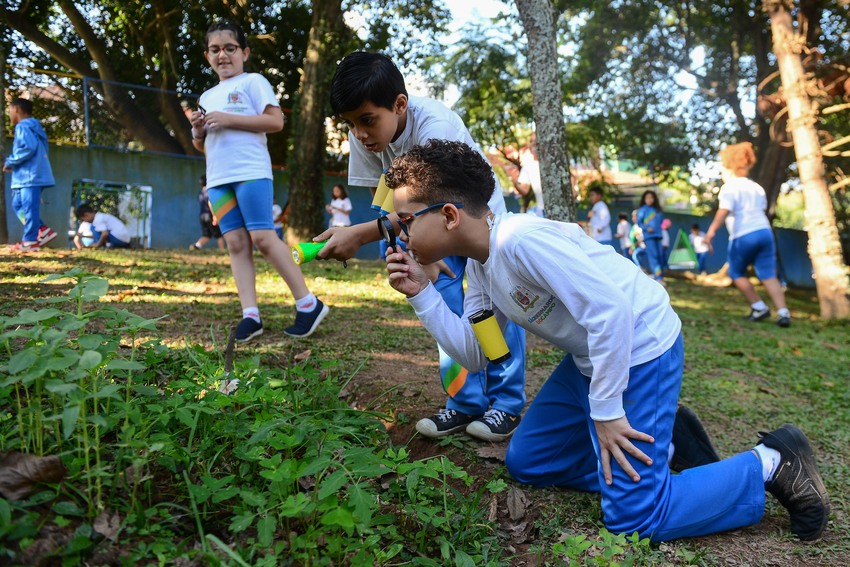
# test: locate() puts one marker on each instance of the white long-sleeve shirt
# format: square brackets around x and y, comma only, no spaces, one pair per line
[558,283]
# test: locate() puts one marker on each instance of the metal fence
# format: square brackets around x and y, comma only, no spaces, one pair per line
[72,109]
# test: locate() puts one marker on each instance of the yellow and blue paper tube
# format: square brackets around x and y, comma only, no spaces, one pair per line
[490,336]
[306,251]
[380,194]
[387,207]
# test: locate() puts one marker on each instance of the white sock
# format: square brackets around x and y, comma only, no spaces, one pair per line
[783,312]
[759,305]
[769,461]
[306,303]
[252,312]
[670,450]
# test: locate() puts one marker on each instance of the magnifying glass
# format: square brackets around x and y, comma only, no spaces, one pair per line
[385,227]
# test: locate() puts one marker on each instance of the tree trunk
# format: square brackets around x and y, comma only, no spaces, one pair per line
[831,274]
[538,20]
[306,166]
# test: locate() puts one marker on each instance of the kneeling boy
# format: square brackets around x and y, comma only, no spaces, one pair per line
[604,420]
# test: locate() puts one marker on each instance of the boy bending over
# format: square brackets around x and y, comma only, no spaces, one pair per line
[603,421]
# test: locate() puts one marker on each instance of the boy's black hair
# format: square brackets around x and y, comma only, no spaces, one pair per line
[695,226]
[363,77]
[656,204]
[82,210]
[623,216]
[598,190]
[224,25]
[442,171]
[25,105]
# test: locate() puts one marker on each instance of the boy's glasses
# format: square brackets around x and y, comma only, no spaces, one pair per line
[230,49]
[404,222]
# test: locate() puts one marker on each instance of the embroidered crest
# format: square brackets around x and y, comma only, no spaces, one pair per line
[522,297]
[233,97]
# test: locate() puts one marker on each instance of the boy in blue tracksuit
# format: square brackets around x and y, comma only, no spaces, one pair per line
[369,94]
[604,420]
[31,173]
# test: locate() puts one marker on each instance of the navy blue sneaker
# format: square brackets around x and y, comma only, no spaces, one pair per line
[306,323]
[691,444]
[248,329]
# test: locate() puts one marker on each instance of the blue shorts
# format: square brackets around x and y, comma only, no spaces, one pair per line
[245,204]
[756,249]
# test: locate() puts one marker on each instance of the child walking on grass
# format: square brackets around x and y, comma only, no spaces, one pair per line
[604,420]
[230,127]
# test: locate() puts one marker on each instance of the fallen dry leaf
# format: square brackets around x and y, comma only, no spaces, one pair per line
[516,503]
[20,473]
[106,525]
[493,509]
[302,356]
[496,452]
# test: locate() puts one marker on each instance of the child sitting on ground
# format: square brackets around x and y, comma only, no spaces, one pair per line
[106,230]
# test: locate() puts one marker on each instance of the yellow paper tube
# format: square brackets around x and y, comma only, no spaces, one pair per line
[490,336]
[380,194]
[387,207]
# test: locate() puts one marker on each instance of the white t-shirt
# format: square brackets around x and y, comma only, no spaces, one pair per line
[699,246]
[530,175]
[340,217]
[601,219]
[552,279]
[105,221]
[276,212]
[746,202]
[427,119]
[665,238]
[238,155]
[624,227]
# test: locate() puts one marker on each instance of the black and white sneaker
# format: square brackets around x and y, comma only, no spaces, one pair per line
[797,483]
[306,323]
[758,314]
[691,445]
[444,422]
[494,425]
[247,329]
[784,321]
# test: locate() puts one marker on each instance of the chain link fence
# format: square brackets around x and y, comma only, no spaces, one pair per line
[72,108]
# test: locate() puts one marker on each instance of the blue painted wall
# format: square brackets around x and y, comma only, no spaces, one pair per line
[175,209]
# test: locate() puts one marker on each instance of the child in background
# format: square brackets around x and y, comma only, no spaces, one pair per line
[599,220]
[31,173]
[649,218]
[209,226]
[240,110]
[340,207]
[277,216]
[636,239]
[697,238]
[369,94]
[665,243]
[107,231]
[623,234]
[604,420]
[742,205]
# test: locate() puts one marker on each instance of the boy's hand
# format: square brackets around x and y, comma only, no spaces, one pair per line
[343,243]
[406,275]
[434,270]
[615,437]
[216,120]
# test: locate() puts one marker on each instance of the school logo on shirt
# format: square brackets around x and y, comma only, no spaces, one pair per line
[233,97]
[522,297]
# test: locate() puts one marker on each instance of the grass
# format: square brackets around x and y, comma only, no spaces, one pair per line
[740,378]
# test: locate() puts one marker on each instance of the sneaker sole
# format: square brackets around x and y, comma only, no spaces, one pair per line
[318,320]
[757,318]
[802,449]
[253,335]
[428,428]
[480,431]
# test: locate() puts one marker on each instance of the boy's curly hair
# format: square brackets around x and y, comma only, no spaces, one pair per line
[738,158]
[442,171]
